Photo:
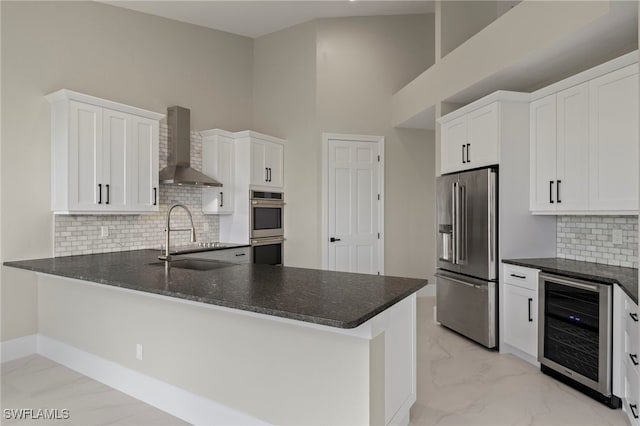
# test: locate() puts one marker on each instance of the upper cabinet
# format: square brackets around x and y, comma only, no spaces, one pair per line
[104,156]
[471,136]
[584,146]
[218,161]
[267,161]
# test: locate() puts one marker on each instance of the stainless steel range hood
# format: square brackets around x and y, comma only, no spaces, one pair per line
[178,170]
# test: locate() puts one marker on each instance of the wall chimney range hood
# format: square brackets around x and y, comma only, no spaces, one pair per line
[178,170]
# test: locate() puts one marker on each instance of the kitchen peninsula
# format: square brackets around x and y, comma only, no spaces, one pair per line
[273,344]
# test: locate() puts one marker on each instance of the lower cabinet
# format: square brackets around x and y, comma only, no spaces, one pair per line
[231,255]
[520,310]
[626,368]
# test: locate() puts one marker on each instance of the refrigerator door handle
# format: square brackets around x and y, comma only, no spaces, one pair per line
[454,228]
[461,220]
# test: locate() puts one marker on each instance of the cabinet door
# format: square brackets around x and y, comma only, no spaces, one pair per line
[613,140]
[142,165]
[218,161]
[116,146]
[521,322]
[258,165]
[571,187]
[482,137]
[542,155]
[275,163]
[453,145]
[85,157]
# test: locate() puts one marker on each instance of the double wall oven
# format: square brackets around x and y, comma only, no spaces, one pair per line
[267,232]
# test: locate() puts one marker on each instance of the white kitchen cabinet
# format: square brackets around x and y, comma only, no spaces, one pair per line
[104,156]
[231,255]
[267,161]
[626,371]
[613,140]
[470,141]
[559,153]
[584,143]
[218,161]
[520,310]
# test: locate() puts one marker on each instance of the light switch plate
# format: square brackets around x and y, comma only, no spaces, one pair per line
[104,231]
[617,236]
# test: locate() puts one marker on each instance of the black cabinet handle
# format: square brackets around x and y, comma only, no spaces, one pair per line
[333,240]
[530,302]
[519,276]
[634,407]
[551,192]
[558,182]
[221,198]
[468,156]
[99,193]
[634,358]
[633,316]
[107,185]
[269,174]
[155,196]
[266,174]
[463,161]
[241,254]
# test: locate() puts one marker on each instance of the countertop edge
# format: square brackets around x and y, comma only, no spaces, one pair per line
[351,324]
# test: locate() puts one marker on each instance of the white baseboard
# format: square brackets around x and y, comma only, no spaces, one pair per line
[19,348]
[178,402]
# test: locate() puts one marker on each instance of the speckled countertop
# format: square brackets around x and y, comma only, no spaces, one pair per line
[626,278]
[335,299]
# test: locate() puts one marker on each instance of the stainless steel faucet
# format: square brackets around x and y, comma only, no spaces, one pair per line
[167,255]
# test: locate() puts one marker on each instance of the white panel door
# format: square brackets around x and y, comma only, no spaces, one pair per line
[542,168]
[520,322]
[482,137]
[353,206]
[613,140]
[85,157]
[218,161]
[142,165]
[115,149]
[571,187]
[453,145]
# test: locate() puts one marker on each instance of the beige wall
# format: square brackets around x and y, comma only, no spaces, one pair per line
[109,52]
[460,20]
[337,76]
[250,364]
[285,106]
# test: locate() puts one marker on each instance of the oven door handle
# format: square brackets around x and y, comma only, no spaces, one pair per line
[570,283]
[266,241]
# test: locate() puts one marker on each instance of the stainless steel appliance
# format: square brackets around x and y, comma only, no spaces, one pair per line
[575,334]
[466,291]
[267,251]
[267,210]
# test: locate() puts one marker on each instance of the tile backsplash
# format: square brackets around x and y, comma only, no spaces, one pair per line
[591,238]
[81,234]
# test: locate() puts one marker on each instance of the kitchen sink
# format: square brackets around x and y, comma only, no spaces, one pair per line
[195,264]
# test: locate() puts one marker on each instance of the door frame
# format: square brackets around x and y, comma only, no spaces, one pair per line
[379,140]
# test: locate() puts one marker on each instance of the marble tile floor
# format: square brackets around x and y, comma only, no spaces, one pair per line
[459,384]
[37,382]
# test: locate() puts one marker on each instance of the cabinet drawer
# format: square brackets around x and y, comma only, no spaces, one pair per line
[235,255]
[630,400]
[631,347]
[521,276]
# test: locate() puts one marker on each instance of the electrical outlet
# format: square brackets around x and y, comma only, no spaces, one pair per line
[206,227]
[139,351]
[104,231]
[617,236]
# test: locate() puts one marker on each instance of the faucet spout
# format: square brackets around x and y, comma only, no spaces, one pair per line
[192,229]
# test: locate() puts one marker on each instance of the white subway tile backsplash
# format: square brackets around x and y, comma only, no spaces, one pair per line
[80,234]
[590,238]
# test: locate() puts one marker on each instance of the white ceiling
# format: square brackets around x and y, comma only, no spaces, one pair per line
[257,18]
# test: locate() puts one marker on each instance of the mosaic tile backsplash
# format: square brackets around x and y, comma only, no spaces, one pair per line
[81,234]
[591,238]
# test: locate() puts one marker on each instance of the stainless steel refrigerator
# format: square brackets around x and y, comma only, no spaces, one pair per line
[466,291]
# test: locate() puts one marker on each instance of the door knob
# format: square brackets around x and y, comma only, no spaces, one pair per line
[333,240]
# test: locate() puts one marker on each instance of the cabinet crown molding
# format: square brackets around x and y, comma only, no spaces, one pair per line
[66,94]
[500,95]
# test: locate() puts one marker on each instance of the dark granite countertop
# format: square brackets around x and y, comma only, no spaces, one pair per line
[626,278]
[335,299]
